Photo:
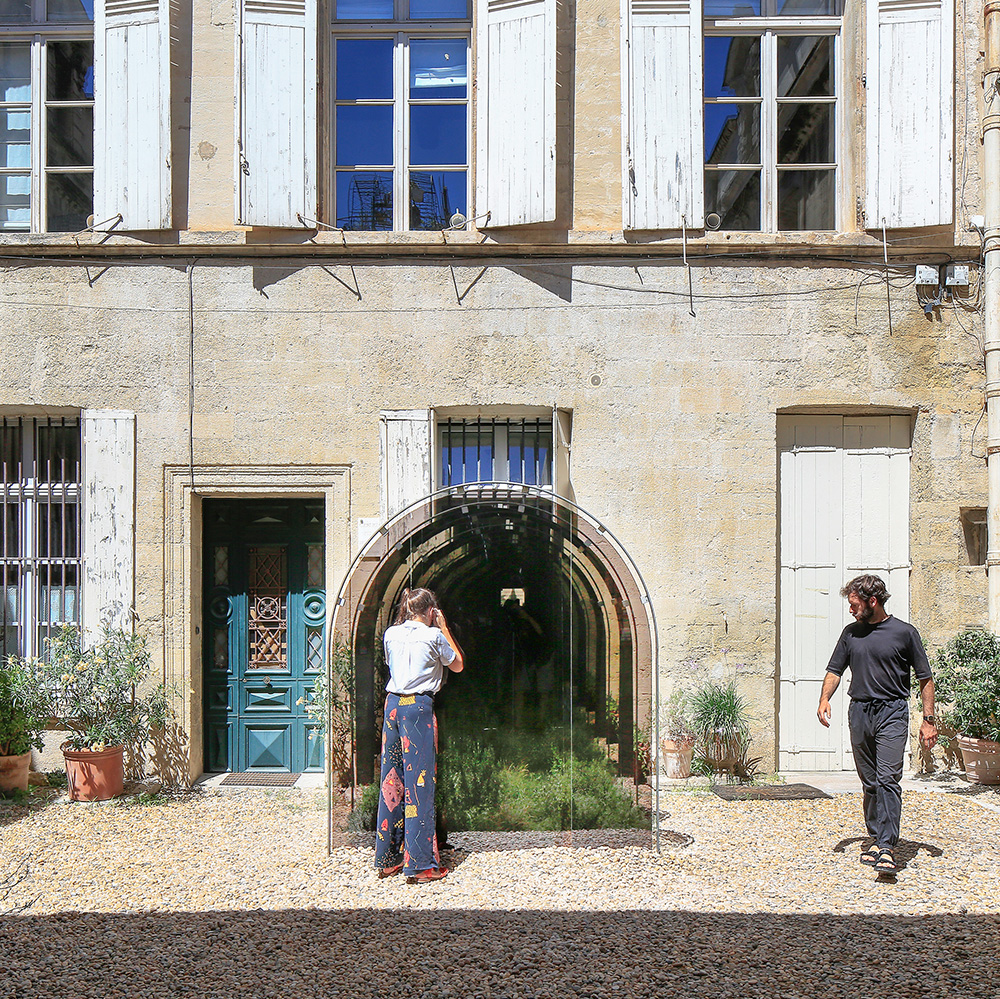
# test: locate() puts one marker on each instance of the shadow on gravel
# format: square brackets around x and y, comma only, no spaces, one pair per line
[409,953]
[906,849]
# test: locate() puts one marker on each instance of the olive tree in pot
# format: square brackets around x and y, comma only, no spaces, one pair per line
[23,716]
[967,685]
[93,694]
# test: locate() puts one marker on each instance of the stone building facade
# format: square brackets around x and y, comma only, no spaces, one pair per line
[700,322]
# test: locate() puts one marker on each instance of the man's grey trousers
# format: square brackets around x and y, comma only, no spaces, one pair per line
[879,730]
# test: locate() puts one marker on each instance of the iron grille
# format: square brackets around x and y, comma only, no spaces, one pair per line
[496,450]
[40,550]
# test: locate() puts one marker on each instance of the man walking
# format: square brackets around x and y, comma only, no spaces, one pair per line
[880,650]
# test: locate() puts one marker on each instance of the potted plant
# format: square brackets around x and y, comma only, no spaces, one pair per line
[93,695]
[23,716]
[967,685]
[722,724]
[677,734]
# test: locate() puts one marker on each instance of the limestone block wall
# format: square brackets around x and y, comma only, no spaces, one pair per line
[673,415]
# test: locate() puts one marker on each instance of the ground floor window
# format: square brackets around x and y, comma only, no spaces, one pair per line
[40,560]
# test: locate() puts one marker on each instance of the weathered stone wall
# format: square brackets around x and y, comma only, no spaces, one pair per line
[674,449]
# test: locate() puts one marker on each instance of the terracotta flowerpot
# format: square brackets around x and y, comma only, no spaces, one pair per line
[95,775]
[982,759]
[676,758]
[14,772]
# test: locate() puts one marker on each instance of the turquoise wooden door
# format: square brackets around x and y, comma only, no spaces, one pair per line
[264,620]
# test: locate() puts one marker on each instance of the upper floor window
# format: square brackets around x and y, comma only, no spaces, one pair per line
[401,109]
[40,546]
[46,115]
[770,113]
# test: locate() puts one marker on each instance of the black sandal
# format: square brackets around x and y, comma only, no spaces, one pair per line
[870,855]
[886,863]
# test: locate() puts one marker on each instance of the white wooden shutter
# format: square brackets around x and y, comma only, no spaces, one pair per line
[406,458]
[562,427]
[108,520]
[909,84]
[276,98]
[132,112]
[516,111]
[665,138]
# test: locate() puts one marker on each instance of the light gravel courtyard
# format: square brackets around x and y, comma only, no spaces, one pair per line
[227,893]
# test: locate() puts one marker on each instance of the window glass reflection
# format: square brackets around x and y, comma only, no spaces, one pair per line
[70,10]
[805,66]
[732,66]
[732,133]
[70,71]
[15,11]
[364,10]
[438,69]
[15,139]
[364,135]
[439,10]
[805,133]
[732,8]
[773,8]
[364,200]
[15,71]
[466,456]
[806,199]
[70,134]
[735,196]
[437,134]
[15,202]
[435,195]
[364,69]
[70,201]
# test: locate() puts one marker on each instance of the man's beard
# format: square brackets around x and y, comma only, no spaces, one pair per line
[865,614]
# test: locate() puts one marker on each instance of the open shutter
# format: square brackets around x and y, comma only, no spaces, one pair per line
[516,111]
[665,139]
[132,112]
[406,459]
[562,428]
[910,96]
[276,97]
[108,520]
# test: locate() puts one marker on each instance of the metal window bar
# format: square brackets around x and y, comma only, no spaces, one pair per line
[40,558]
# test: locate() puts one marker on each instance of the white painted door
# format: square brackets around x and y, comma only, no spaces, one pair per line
[843,510]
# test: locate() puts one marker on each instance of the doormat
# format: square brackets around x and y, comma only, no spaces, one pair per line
[768,792]
[259,780]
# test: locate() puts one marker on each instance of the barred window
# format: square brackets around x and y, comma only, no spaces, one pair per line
[40,562]
[496,450]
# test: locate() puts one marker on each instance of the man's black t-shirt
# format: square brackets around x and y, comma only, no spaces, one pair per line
[880,656]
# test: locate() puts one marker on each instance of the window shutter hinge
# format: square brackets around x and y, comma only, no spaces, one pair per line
[864,80]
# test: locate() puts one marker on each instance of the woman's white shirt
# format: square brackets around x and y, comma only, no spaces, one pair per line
[417,656]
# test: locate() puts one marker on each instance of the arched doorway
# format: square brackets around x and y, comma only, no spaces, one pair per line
[552,613]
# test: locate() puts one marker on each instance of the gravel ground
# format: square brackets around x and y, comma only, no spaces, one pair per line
[228,894]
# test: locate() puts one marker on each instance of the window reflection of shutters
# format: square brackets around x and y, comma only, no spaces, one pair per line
[664,161]
[276,97]
[132,113]
[108,519]
[516,116]
[910,125]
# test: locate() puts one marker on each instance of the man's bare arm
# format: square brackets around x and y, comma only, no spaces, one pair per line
[830,683]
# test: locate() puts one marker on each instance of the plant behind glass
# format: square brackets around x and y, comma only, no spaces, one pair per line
[967,684]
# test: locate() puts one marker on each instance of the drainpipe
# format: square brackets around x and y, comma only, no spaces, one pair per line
[991,296]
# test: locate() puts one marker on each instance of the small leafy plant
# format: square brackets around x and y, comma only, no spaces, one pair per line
[967,683]
[23,708]
[677,718]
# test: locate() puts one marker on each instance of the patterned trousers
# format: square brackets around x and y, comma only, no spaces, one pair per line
[405,824]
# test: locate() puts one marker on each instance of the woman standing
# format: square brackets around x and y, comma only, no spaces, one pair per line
[418,648]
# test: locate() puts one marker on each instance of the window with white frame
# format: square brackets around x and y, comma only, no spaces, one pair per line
[46,115]
[40,545]
[401,113]
[495,450]
[771,81]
